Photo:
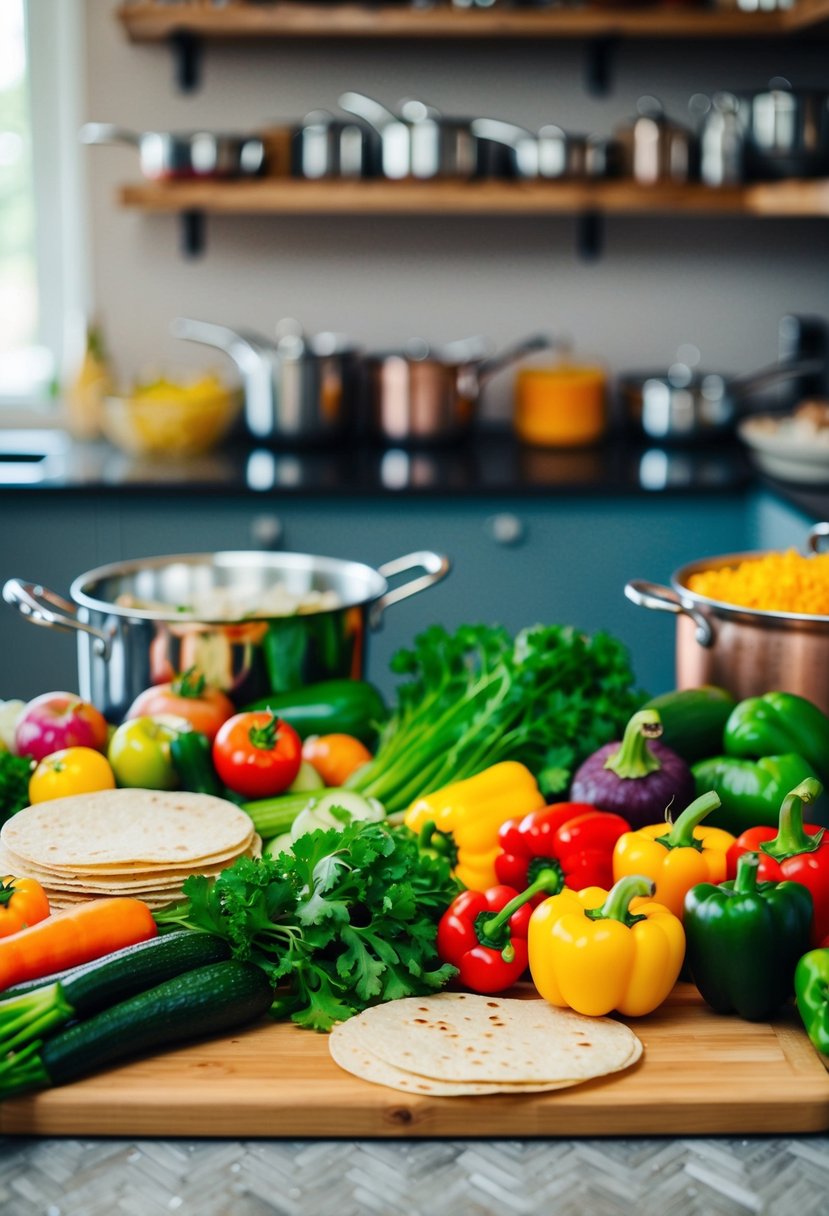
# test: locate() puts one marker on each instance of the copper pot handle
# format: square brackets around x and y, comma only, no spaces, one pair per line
[38,604]
[816,534]
[436,565]
[664,599]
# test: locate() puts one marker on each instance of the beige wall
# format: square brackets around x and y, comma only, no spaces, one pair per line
[721,284]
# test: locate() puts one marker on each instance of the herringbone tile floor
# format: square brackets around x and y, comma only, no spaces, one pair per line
[723,1177]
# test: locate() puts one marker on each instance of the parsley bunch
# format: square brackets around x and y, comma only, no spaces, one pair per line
[549,697]
[348,920]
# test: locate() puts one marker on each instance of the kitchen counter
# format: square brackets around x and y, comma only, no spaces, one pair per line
[491,465]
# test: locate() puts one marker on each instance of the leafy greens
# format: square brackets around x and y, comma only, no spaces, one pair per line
[348,920]
[548,697]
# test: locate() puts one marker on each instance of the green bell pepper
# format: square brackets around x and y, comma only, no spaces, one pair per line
[744,939]
[776,723]
[751,791]
[811,989]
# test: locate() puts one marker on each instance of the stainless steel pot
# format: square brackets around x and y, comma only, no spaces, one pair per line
[124,649]
[419,142]
[431,397]
[747,651]
[787,131]
[655,149]
[166,154]
[297,390]
[549,153]
[326,147]
[685,404]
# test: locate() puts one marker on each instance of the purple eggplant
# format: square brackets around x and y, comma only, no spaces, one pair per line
[639,778]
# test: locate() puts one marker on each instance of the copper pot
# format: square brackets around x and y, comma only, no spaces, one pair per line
[419,396]
[747,651]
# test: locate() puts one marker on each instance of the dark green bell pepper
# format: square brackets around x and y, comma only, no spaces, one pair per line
[751,791]
[776,723]
[811,989]
[744,939]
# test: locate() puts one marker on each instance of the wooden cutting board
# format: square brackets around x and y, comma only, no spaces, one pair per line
[700,1074]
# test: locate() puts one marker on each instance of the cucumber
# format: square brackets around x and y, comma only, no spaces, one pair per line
[348,707]
[207,1001]
[92,986]
[693,720]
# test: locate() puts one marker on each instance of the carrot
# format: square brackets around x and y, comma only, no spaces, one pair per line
[76,935]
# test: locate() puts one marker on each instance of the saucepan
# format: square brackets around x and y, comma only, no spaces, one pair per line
[418,141]
[428,396]
[298,390]
[166,154]
[745,650]
[251,622]
[685,404]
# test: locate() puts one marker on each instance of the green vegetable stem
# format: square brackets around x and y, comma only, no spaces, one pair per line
[549,698]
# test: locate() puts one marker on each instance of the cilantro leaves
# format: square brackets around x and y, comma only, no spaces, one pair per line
[347,920]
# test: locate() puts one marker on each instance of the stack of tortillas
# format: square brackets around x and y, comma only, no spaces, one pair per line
[143,843]
[457,1043]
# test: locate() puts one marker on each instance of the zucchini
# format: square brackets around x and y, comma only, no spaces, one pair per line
[693,720]
[31,1012]
[207,1001]
[348,707]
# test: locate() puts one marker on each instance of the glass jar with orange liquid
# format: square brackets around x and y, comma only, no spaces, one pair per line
[561,405]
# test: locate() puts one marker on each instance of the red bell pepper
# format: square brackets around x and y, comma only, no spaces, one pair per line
[797,851]
[484,933]
[574,839]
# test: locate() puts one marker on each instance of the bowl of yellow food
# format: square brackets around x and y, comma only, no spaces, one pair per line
[171,418]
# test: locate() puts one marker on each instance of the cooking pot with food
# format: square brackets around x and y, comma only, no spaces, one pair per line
[252,623]
[749,651]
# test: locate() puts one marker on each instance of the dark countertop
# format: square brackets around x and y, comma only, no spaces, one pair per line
[493,464]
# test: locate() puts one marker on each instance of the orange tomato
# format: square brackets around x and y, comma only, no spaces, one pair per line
[188,697]
[23,902]
[335,757]
[73,770]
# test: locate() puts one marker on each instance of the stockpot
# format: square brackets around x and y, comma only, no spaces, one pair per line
[167,154]
[297,390]
[123,649]
[744,650]
[327,147]
[786,131]
[550,152]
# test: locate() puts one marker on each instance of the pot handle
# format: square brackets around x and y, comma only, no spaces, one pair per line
[38,604]
[436,565]
[817,534]
[664,599]
[512,354]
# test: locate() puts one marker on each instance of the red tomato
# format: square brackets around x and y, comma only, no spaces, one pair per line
[186,697]
[335,757]
[256,754]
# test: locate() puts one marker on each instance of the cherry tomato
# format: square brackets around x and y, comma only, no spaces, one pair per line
[72,770]
[256,754]
[188,697]
[335,757]
[139,752]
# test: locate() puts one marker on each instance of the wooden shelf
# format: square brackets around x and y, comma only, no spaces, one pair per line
[145,21]
[277,196]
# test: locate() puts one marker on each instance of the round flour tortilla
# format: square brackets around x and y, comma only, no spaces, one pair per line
[130,883]
[461,1037]
[127,828]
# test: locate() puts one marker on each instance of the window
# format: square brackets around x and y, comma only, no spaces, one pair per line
[42,252]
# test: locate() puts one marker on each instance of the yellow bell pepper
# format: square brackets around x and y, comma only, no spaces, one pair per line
[595,951]
[463,818]
[676,856]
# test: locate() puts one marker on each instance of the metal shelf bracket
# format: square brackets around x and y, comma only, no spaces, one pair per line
[187,51]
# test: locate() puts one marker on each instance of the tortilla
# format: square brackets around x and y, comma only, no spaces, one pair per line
[118,831]
[363,1064]
[461,1038]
